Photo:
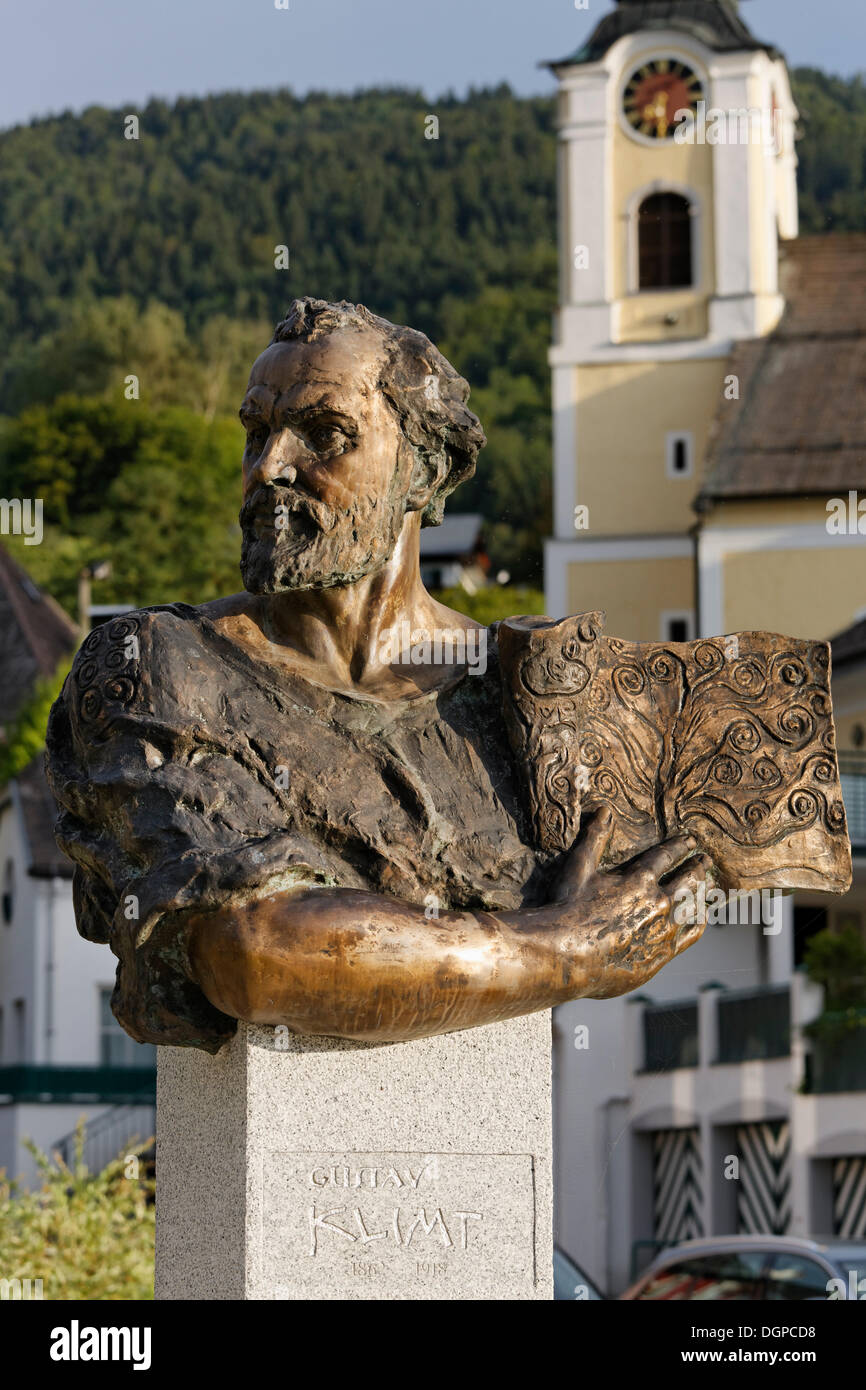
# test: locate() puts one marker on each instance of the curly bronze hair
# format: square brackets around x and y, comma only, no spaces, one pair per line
[426,394]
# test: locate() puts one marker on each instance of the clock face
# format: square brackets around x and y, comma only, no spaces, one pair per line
[654,94]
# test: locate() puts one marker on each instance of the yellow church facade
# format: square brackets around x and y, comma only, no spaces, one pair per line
[678,243]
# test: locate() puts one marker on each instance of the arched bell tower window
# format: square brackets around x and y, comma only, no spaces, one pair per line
[664,228]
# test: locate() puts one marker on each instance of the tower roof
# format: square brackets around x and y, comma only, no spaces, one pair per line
[715,23]
[35,634]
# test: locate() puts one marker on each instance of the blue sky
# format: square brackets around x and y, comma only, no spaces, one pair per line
[68,54]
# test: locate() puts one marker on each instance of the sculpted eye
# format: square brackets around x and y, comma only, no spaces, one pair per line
[326,437]
[257,437]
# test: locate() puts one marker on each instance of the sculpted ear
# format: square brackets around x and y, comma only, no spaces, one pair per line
[429,471]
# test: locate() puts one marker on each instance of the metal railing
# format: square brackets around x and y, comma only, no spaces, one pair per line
[754,1024]
[78,1085]
[670,1033]
[108,1135]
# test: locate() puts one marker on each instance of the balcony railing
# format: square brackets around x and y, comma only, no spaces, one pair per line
[754,1024]
[852,769]
[670,1036]
[108,1135]
[78,1085]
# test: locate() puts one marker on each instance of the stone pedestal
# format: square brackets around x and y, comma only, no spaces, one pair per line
[291,1168]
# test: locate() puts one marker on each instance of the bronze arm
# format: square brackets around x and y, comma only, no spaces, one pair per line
[356,964]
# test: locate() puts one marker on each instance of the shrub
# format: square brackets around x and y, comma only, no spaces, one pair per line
[489,605]
[85,1235]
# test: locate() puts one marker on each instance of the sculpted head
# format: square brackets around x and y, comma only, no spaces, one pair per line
[352,423]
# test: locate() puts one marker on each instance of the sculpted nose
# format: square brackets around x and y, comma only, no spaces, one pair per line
[275,463]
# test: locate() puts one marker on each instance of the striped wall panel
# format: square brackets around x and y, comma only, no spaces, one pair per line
[678,1185]
[764,1187]
[849,1198]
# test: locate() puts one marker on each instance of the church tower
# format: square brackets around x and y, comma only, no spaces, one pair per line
[677,180]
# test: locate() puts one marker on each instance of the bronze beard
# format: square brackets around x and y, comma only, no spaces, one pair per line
[316,547]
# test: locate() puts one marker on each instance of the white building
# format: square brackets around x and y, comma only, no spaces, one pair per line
[62,1053]
[452,554]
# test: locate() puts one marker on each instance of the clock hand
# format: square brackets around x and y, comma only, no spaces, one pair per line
[662,113]
[657,111]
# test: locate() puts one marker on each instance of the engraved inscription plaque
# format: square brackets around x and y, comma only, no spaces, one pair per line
[399,1225]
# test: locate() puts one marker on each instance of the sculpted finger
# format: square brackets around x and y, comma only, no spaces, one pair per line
[688,904]
[687,936]
[585,857]
[662,859]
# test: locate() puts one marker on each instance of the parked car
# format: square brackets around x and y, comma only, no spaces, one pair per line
[747,1268]
[570,1282]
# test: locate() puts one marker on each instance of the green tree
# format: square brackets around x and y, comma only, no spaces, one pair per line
[155,258]
[155,492]
[26,738]
[837,960]
[491,605]
[831,151]
[85,1235]
[102,344]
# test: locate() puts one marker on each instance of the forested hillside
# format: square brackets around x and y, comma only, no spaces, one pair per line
[155,257]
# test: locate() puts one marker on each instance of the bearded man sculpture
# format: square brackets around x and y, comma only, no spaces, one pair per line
[274,820]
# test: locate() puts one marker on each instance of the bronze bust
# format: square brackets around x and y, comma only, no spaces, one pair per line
[278,814]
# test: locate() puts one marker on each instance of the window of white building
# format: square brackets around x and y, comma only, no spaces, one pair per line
[7,898]
[116,1048]
[677,625]
[19,1030]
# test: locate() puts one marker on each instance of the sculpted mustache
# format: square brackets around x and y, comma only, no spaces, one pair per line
[263,505]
